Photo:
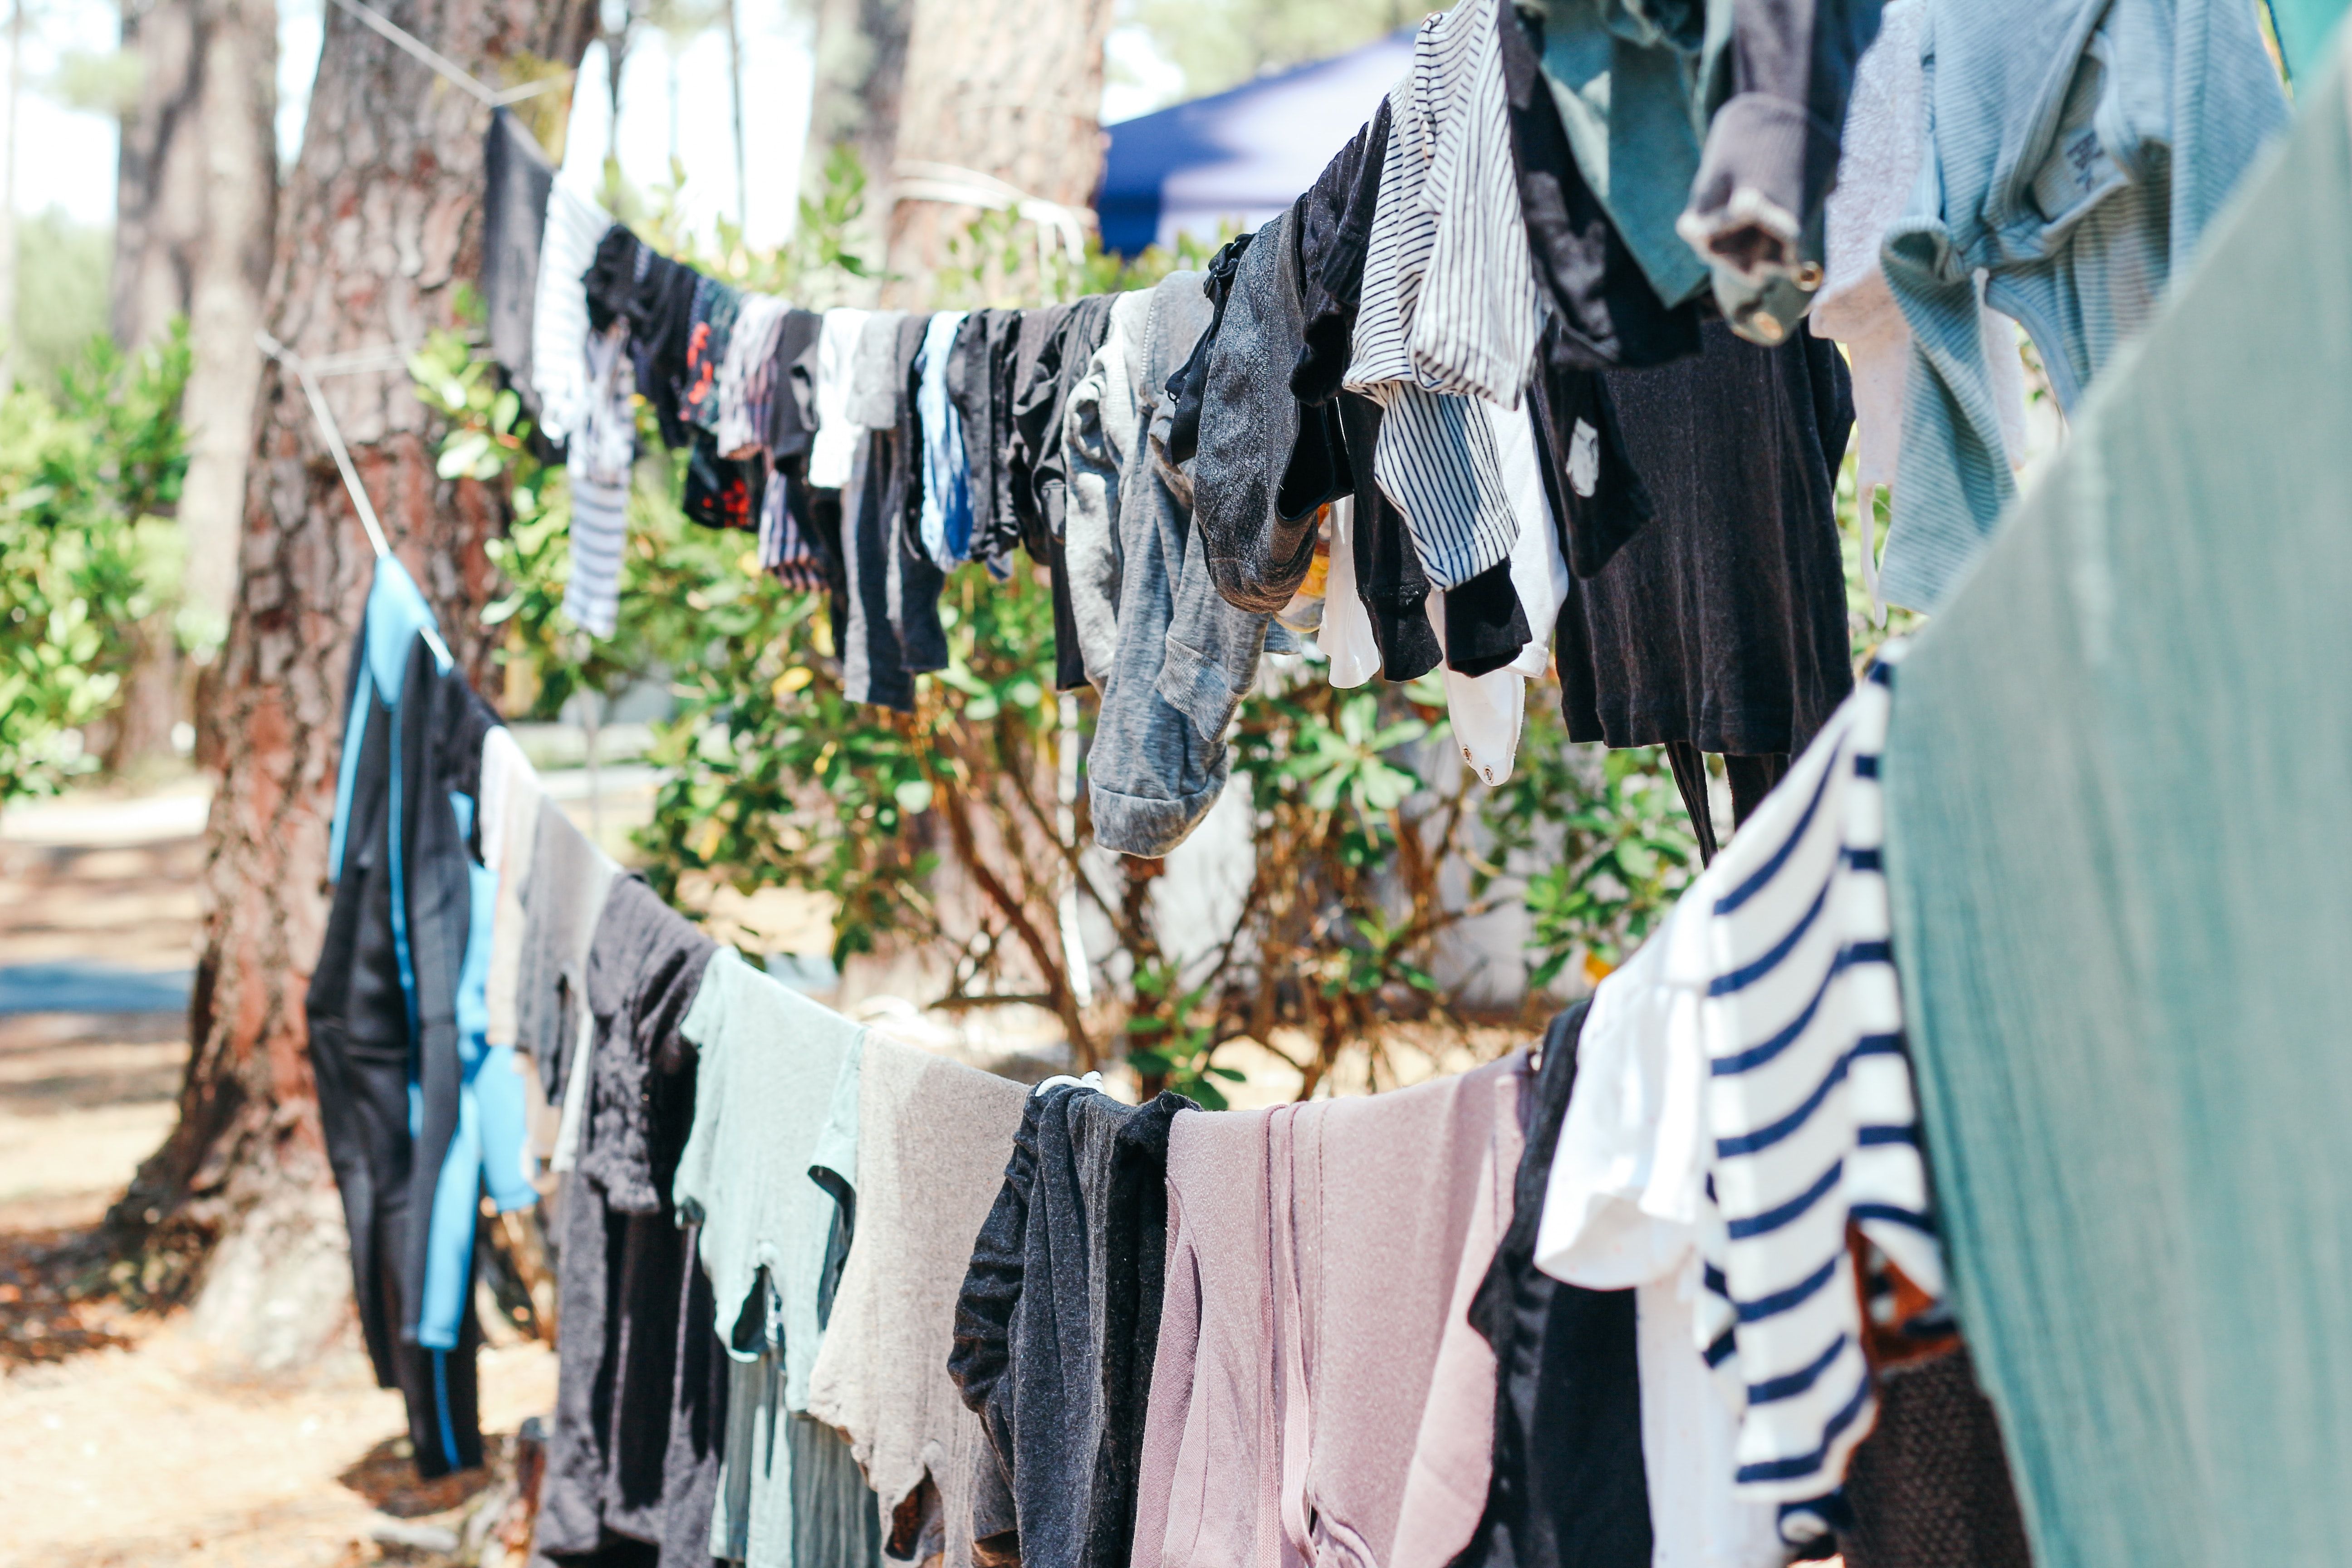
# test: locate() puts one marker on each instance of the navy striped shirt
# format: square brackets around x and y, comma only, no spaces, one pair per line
[1809,1108]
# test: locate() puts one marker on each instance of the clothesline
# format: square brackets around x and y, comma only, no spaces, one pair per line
[449,69]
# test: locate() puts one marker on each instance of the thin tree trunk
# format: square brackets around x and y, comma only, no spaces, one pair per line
[8,191]
[195,191]
[159,190]
[1007,88]
[240,199]
[380,228]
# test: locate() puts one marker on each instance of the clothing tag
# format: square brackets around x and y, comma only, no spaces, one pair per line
[1584,459]
[2079,169]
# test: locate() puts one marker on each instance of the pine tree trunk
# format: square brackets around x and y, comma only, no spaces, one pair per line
[380,227]
[1008,88]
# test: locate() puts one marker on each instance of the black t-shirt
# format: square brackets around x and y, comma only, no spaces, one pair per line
[1723,621]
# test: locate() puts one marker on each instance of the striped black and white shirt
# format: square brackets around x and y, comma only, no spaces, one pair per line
[1810,1112]
[598,461]
[1450,309]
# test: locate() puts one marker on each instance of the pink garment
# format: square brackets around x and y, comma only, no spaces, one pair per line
[1320,1395]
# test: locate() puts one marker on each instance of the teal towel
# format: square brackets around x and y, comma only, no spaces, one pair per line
[2119,795]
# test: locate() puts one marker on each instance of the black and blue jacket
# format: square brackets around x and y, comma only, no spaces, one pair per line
[422,1115]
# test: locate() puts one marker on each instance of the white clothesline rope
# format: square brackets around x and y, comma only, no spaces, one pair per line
[334,435]
[917,179]
[496,98]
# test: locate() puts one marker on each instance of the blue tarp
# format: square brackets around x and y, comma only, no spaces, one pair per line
[1240,156]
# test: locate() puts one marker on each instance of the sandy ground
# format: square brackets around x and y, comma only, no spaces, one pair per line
[120,1441]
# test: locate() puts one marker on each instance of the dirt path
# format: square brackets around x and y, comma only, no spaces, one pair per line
[119,1442]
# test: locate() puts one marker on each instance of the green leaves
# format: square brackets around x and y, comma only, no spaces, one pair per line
[84,554]
[1172,1033]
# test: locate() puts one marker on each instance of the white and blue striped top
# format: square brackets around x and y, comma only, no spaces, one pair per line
[1811,1113]
[1449,310]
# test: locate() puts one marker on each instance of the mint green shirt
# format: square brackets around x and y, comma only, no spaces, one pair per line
[772,1069]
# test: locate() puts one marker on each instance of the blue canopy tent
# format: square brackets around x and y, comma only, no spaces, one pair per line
[1240,156]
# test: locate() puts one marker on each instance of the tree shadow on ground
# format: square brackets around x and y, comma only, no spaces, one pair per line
[54,1303]
[387,1476]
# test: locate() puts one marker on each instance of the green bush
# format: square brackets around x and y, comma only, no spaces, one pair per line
[88,477]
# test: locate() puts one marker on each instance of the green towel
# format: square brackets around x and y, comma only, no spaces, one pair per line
[2120,797]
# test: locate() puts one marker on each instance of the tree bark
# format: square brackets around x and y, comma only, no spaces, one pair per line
[860,56]
[195,193]
[1008,88]
[380,227]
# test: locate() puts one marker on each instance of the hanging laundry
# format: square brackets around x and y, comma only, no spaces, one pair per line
[746,376]
[711,329]
[913,581]
[931,1139]
[1102,429]
[599,460]
[1620,81]
[1281,1425]
[568,882]
[947,482]
[518,184]
[1929,1487]
[2113,787]
[785,409]
[890,628]
[721,492]
[416,1118]
[1157,766]
[980,381]
[1057,1323]
[1620,1211]
[1487,710]
[1475,313]
[834,446]
[1038,416]
[1256,543]
[1039,420]
[1346,633]
[661,317]
[1721,624]
[558,368]
[1388,578]
[1604,308]
[1885,139]
[1334,224]
[780,408]
[1771,151]
[1187,386]
[1809,1105]
[771,1070]
[1588,477]
[2078,188]
[1436,456]
[1029,363]
[510,797]
[634,1358]
[1567,1489]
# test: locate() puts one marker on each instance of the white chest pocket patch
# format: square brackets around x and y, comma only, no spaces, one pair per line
[1584,459]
